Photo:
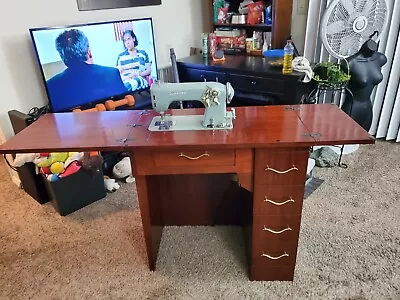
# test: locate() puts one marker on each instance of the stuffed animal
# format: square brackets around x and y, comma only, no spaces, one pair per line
[110,184]
[57,165]
[93,162]
[123,170]
[73,156]
[72,168]
[57,168]
[23,158]
[51,159]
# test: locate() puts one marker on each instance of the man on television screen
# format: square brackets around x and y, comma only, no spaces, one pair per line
[82,81]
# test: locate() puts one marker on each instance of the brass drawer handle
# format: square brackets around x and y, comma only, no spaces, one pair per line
[277,232]
[273,257]
[278,203]
[193,158]
[281,172]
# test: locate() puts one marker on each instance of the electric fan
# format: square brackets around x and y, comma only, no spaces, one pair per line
[347,24]
[347,28]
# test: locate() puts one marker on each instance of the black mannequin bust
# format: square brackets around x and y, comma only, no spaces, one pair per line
[365,70]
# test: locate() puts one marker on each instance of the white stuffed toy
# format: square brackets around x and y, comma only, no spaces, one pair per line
[110,184]
[23,158]
[73,156]
[123,170]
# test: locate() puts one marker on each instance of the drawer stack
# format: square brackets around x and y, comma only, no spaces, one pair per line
[278,199]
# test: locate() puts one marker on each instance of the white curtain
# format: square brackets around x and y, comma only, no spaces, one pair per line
[386,97]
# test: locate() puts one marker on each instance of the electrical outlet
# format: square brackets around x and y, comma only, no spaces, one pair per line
[302,7]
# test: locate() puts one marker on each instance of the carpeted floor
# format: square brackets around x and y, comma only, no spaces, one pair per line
[349,245]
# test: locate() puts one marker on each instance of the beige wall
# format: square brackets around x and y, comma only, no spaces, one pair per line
[177,24]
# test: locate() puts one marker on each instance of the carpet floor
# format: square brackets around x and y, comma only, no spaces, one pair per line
[349,245]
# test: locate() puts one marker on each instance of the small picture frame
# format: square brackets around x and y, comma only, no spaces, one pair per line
[84,5]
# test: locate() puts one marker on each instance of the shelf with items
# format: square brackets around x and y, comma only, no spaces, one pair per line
[276,20]
[264,27]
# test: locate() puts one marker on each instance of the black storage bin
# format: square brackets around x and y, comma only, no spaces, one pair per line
[78,190]
[32,183]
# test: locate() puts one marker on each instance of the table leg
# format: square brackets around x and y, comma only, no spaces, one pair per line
[151,218]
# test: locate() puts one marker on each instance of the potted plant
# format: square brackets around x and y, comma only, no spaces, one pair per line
[330,75]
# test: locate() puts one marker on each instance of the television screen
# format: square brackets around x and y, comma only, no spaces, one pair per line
[86,64]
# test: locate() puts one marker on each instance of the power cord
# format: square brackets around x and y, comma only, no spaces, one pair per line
[35,113]
[8,163]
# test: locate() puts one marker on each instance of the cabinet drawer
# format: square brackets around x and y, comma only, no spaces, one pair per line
[193,161]
[194,158]
[286,167]
[275,240]
[281,273]
[196,75]
[278,199]
[260,84]
[273,230]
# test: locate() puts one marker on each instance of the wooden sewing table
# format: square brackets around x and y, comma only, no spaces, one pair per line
[252,176]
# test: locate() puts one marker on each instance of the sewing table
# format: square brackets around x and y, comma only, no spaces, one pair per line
[251,176]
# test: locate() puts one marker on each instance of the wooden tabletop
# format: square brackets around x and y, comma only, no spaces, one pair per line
[267,126]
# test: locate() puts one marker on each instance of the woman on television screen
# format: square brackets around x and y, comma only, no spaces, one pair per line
[134,64]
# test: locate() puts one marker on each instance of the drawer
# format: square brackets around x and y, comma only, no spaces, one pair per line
[278,199]
[196,75]
[269,231]
[193,161]
[286,167]
[275,240]
[260,84]
[194,158]
[276,253]
[282,273]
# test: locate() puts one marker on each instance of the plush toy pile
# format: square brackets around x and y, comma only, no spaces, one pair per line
[57,165]
[54,165]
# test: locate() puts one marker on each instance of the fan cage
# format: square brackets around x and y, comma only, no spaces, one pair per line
[337,33]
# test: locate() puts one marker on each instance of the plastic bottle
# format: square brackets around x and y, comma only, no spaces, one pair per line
[204,44]
[287,58]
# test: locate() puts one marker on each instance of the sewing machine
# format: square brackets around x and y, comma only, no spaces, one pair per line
[213,95]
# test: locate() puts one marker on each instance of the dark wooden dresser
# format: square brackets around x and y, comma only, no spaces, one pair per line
[254,81]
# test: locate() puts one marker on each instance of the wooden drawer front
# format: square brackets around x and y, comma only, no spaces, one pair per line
[270,230]
[287,168]
[275,240]
[252,83]
[278,199]
[282,273]
[196,75]
[194,158]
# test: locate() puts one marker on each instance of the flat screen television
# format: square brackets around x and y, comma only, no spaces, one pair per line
[86,64]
